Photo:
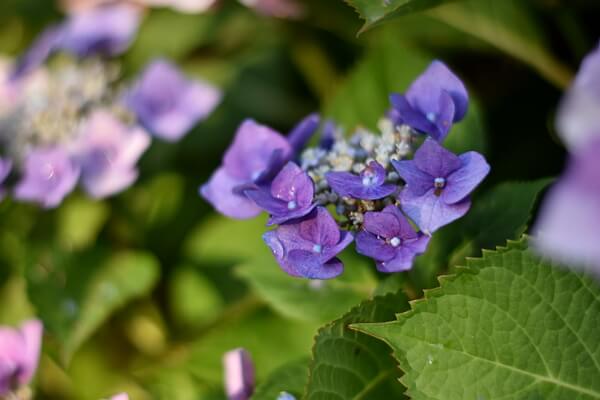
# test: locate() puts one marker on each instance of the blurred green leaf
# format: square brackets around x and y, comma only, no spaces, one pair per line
[469,134]
[290,378]
[157,200]
[376,12]
[350,365]
[80,219]
[304,299]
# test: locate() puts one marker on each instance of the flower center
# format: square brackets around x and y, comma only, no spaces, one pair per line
[291,205]
[395,241]
[431,116]
[317,248]
[439,183]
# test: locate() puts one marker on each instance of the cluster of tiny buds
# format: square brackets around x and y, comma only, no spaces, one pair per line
[353,155]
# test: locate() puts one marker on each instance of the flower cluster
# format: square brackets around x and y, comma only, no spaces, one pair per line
[71,120]
[390,191]
[19,355]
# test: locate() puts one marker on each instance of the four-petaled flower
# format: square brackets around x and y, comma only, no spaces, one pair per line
[434,101]
[239,374]
[49,175]
[167,103]
[438,184]
[369,185]
[308,248]
[290,195]
[19,355]
[389,239]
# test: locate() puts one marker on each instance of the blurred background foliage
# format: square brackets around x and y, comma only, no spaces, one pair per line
[143,293]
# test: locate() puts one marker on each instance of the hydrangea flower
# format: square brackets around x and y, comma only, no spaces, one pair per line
[108,152]
[239,374]
[438,184]
[389,239]
[256,156]
[49,175]
[568,227]
[290,195]
[19,354]
[578,119]
[167,103]
[308,248]
[369,185]
[433,102]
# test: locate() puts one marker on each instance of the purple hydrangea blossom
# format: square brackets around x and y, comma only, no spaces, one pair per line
[239,374]
[308,248]
[49,175]
[435,100]
[19,354]
[289,197]
[369,185]
[5,168]
[568,227]
[255,157]
[438,184]
[167,103]
[578,119]
[108,152]
[389,239]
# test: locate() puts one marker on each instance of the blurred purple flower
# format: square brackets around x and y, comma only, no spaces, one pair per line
[167,103]
[276,8]
[389,239]
[285,396]
[108,152]
[19,354]
[568,227]
[435,100]
[578,119]
[120,396]
[328,135]
[370,185]
[46,43]
[290,196]
[255,157]
[5,168]
[438,184]
[308,248]
[49,175]
[239,374]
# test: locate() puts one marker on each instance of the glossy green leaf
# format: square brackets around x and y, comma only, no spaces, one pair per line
[349,365]
[290,378]
[510,325]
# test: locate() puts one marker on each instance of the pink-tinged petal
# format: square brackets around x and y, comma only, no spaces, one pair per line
[370,245]
[320,228]
[19,354]
[184,6]
[435,160]
[251,150]
[417,181]
[430,212]
[109,183]
[120,396]
[219,192]
[464,180]
[31,332]
[239,374]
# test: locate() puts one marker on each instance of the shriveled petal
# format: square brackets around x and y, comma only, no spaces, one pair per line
[320,228]
[417,182]
[435,160]
[370,245]
[464,180]
[425,90]
[430,212]
[303,131]
[308,265]
[239,374]
[219,192]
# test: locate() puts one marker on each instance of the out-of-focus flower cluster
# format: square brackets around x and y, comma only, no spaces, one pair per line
[390,190]
[66,117]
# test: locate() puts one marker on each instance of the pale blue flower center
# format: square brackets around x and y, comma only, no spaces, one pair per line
[395,241]
[368,180]
[255,175]
[317,248]
[431,116]
[291,205]
[439,183]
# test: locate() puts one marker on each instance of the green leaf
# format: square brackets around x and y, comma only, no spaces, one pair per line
[349,365]
[290,378]
[510,326]
[304,299]
[376,12]
[79,222]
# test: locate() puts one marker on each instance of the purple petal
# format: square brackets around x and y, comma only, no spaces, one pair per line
[404,113]
[320,228]
[370,245]
[120,396]
[40,50]
[239,374]
[404,256]
[330,252]
[443,119]
[308,265]
[464,180]
[435,160]
[417,181]
[425,91]
[19,354]
[293,184]
[169,104]
[328,135]
[266,201]
[291,215]
[429,212]
[384,224]
[251,150]
[49,175]
[5,168]
[374,173]
[368,186]
[303,131]
[219,192]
